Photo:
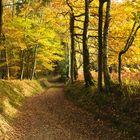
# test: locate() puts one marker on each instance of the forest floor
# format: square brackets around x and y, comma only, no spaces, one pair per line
[50,116]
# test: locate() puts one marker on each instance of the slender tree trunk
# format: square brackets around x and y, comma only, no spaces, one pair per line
[105,48]
[1,22]
[28,63]
[13,8]
[66,46]
[86,62]
[7,64]
[100,45]
[4,66]
[122,52]
[72,46]
[126,48]
[34,63]
[119,67]
[4,69]
[69,52]
[75,68]
[1,13]
[22,64]
[73,64]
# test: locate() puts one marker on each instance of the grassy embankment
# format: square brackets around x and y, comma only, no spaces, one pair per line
[12,95]
[121,108]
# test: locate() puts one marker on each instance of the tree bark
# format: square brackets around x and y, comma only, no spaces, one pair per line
[100,46]
[22,64]
[4,66]
[7,64]
[1,21]
[75,68]
[119,67]
[28,63]
[86,62]
[72,46]
[129,43]
[105,48]
[34,63]
[13,8]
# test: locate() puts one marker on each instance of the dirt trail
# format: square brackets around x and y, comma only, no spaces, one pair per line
[49,116]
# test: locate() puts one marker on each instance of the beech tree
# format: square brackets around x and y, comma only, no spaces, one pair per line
[3,50]
[100,45]
[129,43]
[86,62]
[105,47]
[73,69]
[1,13]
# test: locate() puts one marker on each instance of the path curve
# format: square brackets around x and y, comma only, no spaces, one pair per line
[49,116]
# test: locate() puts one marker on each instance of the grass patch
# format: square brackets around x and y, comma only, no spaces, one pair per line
[121,108]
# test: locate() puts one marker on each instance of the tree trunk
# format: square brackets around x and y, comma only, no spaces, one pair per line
[105,48]
[1,13]
[22,64]
[86,62]
[75,68]
[7,64]
[3,61]
[122,52]
[72,46]
[1,22]
[73,64]
[129,43]
[119,68]
[66,46]
[28,63]
[13,8]
[100,53]
[34,63]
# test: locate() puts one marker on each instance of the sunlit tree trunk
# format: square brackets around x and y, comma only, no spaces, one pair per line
[28,63]
[7,64]
[73,63]
[34,62]
[22,64]
[1,13]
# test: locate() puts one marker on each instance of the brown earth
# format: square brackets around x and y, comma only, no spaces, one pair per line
[50,116]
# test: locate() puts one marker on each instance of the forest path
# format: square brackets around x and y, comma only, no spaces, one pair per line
[50,116]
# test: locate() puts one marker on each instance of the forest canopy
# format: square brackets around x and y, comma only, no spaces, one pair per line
[83,53]
[38,36]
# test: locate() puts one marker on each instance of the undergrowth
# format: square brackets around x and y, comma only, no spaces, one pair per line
[121,108]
